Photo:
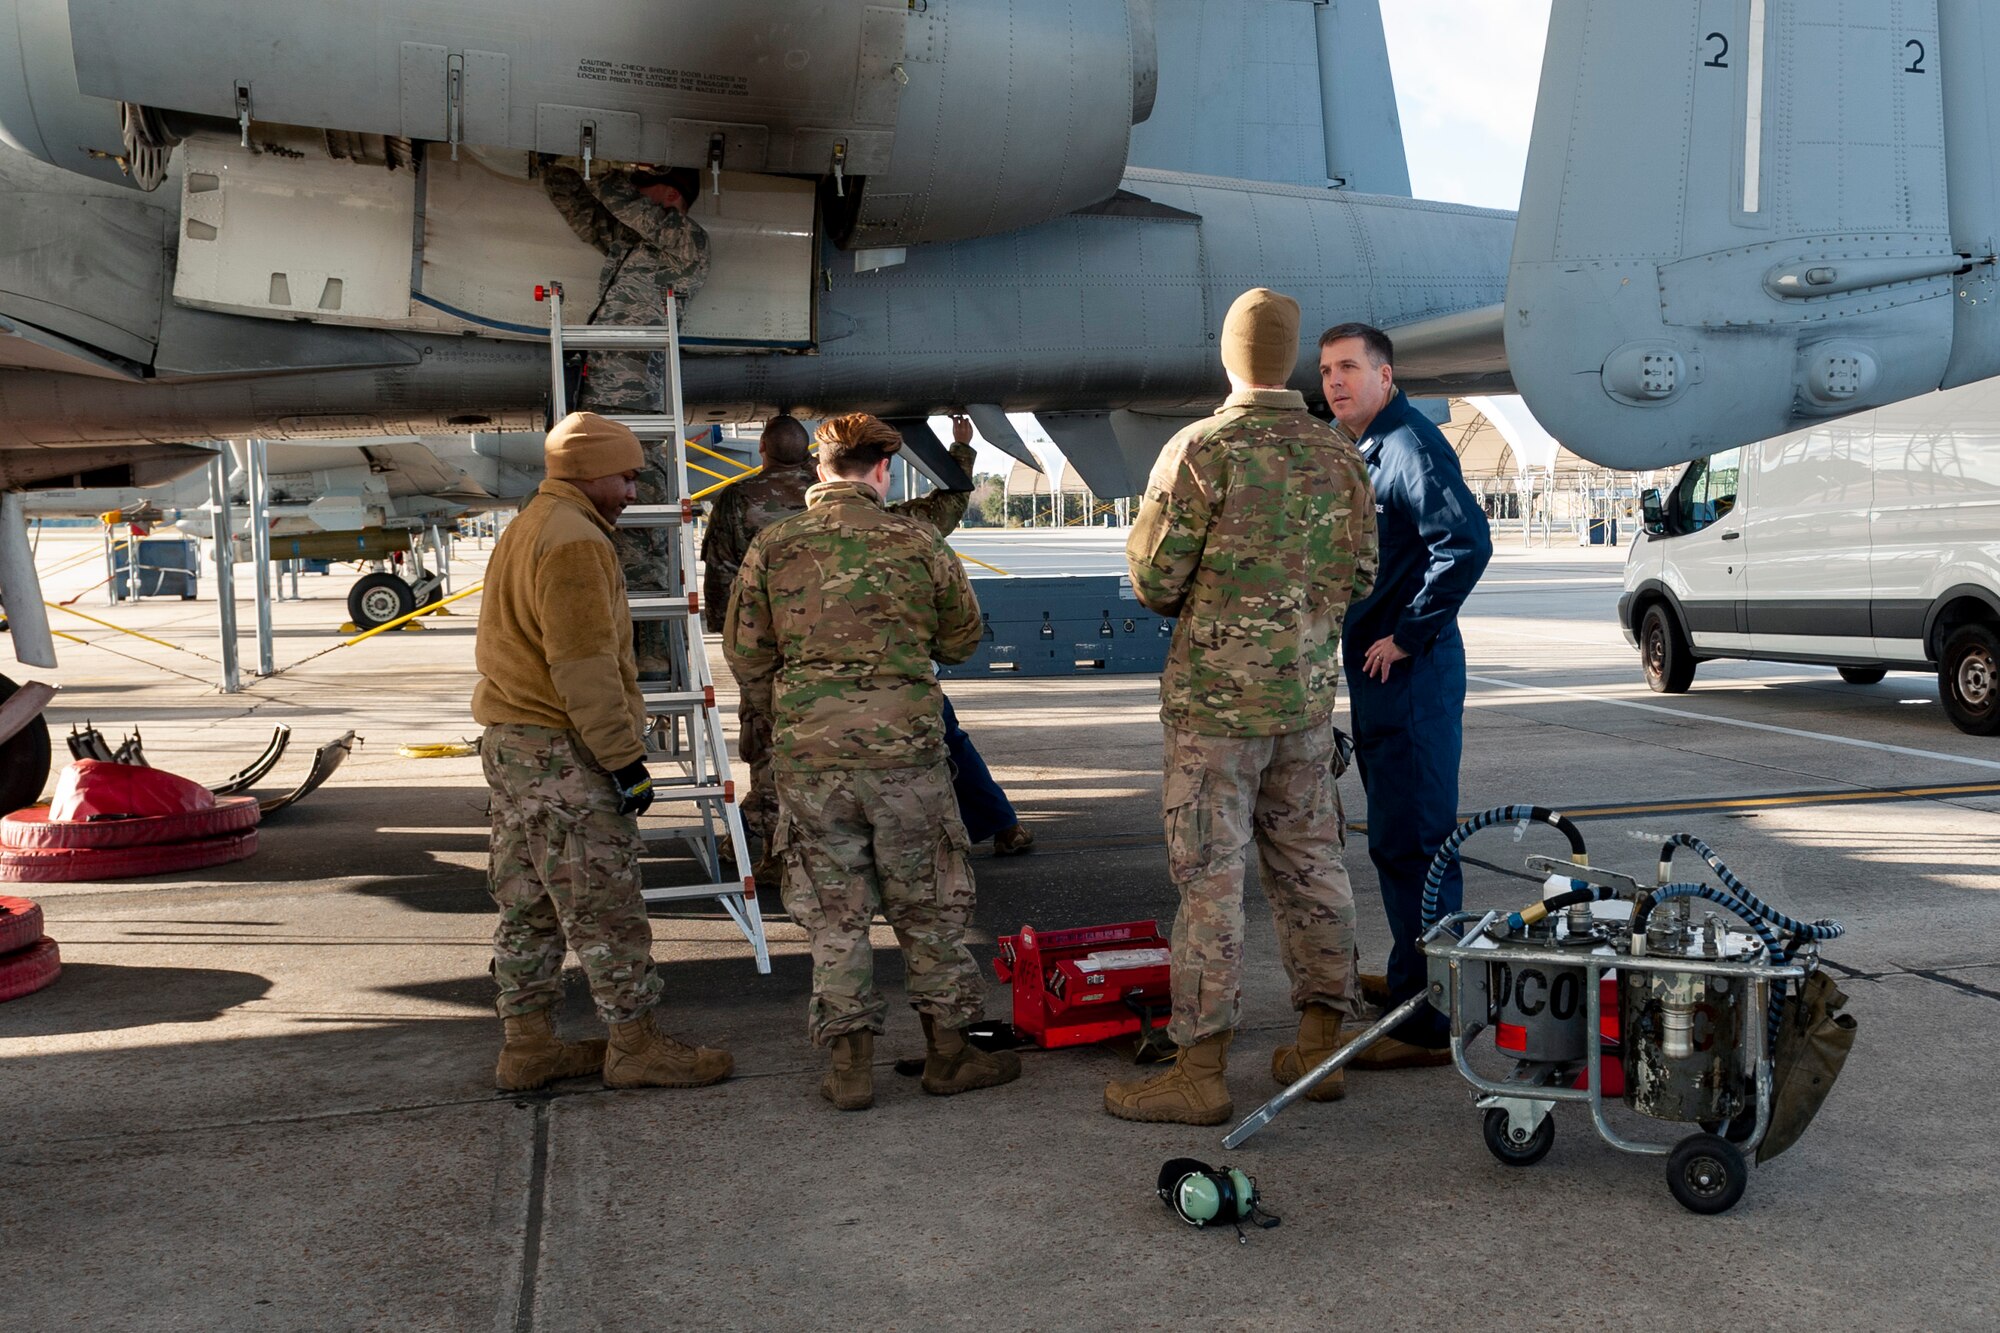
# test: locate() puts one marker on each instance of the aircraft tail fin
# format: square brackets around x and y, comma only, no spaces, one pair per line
[1742,217]
[1275,90]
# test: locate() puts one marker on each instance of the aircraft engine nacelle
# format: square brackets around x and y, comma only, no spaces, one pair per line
[1014,113]
[929,121]
[41,112]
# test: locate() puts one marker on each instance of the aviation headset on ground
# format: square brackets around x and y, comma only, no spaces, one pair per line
[1201,1195]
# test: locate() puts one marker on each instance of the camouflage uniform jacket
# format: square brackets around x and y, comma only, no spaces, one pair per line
[835,619]
[555,631]
[779,491]
[648,250]
[1257,529]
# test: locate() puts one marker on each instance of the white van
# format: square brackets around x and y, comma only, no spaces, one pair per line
[1871,544]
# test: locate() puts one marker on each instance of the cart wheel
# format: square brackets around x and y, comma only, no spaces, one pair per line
[1707,1173]
[1526,1152]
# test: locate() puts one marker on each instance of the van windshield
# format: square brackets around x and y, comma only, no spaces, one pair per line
[1707,491]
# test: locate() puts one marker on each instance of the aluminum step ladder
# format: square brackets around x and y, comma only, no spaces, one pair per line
[694,799]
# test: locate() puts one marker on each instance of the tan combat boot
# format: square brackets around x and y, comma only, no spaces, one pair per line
[642,1056]
[953,1065]
[532,1056]
[1193,1092]
[1319,1037]
[850,1084]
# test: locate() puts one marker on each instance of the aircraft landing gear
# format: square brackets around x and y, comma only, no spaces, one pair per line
[377,599]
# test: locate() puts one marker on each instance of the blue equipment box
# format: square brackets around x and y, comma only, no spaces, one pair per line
[1064,625]
[163,567]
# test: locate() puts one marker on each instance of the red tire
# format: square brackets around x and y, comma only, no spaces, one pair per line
[26,971]
[20,924]
[33,830]
[66,864]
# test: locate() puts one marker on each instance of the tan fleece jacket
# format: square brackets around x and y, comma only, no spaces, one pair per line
[555,630]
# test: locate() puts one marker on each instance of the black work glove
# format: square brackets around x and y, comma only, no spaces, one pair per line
[635,788]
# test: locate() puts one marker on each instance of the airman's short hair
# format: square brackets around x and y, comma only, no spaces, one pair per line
[1381,351]
[852,445]
[784,441]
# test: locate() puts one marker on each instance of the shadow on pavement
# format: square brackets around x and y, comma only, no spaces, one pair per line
[101,997]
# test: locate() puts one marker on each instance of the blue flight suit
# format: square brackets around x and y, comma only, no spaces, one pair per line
[1409,730]
[981,803]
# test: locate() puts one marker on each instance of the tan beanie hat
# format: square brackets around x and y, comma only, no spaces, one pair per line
[1260,337]
[585,446]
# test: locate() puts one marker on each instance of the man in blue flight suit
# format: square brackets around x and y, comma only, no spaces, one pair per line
[1406,663]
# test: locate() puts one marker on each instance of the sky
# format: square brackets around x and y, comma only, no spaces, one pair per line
[1466,72]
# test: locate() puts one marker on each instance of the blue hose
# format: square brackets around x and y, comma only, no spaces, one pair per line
[1504,814]
[1825,928]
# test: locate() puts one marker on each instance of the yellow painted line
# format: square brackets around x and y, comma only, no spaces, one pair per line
[70,610]
[1872,796]
[1865,797]
[973,559]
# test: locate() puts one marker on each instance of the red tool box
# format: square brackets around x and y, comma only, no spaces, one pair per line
[1072,987]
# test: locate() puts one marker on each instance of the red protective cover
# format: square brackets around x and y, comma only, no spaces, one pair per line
[68,864]
[32,829]
[20,923]
[94,789]
[28,970]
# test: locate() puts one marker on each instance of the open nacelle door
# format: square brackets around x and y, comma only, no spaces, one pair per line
[1741,216]
[458,246]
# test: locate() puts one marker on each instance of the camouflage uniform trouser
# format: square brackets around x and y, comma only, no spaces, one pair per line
[564,868]
[753,745]
[629,385]
[1221,793]
[853,839]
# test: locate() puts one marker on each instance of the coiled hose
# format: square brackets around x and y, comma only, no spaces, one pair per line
[1754,913]
[1826,928]
[1504,814]
[1744,903]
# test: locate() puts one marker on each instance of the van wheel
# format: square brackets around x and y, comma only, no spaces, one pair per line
[1664,653]
[1969,679]
[1862,675]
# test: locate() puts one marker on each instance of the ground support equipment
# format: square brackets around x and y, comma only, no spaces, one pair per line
[685,732]
[1089,983]
[1609,987]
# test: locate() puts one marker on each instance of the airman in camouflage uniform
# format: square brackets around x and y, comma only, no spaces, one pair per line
[638,220]
[564,756]
[835,619]
[1257,528]
[735,517]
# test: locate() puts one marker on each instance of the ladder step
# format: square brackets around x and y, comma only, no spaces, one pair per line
[656,699]
[659,607]
[675,893]
[599,337]
[667,791]
[654,516]
[647,427]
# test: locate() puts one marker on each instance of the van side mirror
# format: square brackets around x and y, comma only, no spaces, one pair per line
[1649,507]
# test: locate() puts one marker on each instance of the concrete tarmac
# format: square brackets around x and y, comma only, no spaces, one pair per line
[260,1096]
